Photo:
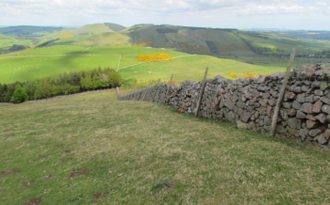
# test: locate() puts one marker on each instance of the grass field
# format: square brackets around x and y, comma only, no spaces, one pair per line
[193,67]
[50,61]
[94,149]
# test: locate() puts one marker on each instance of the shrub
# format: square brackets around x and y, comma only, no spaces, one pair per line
[114,78]
[129,82]
[20,95]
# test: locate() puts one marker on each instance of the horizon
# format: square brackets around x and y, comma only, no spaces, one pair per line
[247,29]
[292,15]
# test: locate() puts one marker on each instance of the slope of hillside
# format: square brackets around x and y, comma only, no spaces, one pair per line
[222,42]
[107,39]
[189,39]
[28,31]
[49,61]
[93,149]
[115,27]
[92,29]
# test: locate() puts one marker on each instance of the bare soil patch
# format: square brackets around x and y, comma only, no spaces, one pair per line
[10,172]
[8,130]
[34,201]
[29,183]
[99,195]
[67,151]
[44,156]
[80,172]
[48,178]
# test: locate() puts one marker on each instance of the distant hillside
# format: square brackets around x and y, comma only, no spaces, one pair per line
[302,34]
[221,42]
[115,27]
[28,31]
[317,35]
[189,39]
[92,29]
[224,43]
[107,39]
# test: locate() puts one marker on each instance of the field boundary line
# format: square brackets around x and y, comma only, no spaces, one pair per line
[84,50]
[119,62]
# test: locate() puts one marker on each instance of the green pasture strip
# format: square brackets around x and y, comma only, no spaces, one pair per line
[132,51]
[49,61]
[25,69]
[94,149]
[61,49]
[192,67]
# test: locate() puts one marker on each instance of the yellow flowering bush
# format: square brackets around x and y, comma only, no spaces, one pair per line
[158,57]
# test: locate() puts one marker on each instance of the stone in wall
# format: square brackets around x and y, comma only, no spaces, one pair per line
[250,102]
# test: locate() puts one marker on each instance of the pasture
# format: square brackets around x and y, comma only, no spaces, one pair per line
[46,62]
[93,149]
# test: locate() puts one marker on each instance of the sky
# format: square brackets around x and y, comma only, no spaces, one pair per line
[240,14]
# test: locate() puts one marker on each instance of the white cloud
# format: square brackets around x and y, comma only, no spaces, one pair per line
[211,13]
[271,9]
[321,3]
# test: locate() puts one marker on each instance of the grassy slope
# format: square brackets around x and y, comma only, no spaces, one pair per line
[193,40]
[107,39]
[192,67]
[141,143]
[49,61]
[303,46]
[92,29]
[115,27]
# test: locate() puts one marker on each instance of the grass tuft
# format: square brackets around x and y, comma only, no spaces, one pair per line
[120,150]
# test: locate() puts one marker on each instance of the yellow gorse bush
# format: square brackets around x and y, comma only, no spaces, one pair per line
[174,82]
[158,57]
[248,75]
[232,75]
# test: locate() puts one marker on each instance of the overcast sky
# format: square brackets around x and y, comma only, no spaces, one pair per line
[286,14]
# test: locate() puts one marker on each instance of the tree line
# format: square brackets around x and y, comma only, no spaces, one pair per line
[62,84]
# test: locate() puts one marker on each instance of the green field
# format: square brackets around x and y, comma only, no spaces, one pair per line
[94,149]
[50,61]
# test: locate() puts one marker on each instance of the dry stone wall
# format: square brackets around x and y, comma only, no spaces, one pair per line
[249,102]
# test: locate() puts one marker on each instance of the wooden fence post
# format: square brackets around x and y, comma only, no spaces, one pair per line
[118,93]
[153,98]
[201,93]
[169,83]
[168,89]
[280,97]
[145,92]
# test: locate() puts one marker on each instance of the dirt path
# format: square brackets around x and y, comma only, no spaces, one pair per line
[84,50]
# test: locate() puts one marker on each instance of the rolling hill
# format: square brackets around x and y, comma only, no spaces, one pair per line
[229,43]
[50,61]
[28,31]
[110,45]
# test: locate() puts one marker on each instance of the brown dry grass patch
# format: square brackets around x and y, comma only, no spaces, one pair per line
[100,195]
[10,172]
[29,183]
[80,172]
[34,201]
